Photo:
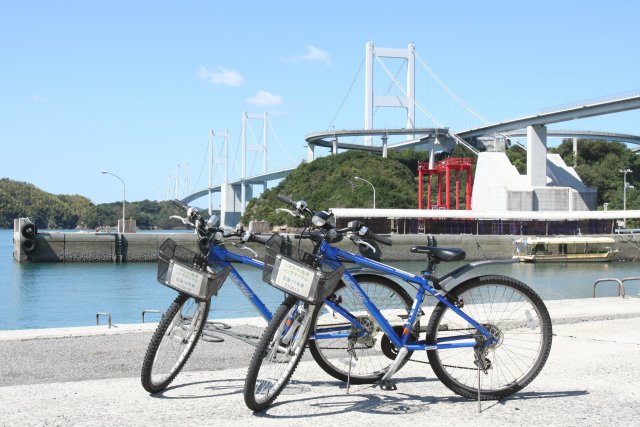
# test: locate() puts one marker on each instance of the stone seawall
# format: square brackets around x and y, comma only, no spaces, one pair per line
[143,247]
[96,247]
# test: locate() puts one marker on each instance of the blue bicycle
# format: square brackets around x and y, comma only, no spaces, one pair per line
[198,277]
[487,336]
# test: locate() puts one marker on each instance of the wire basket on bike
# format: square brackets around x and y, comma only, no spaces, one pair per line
[186,271]
[298,272]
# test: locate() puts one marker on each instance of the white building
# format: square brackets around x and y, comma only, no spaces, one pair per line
[499,187]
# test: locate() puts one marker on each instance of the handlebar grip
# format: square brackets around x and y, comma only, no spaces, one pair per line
[259,238]
[381,239]
[286,200]
[180,204]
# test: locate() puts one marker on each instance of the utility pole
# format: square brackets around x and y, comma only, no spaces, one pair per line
[624,173]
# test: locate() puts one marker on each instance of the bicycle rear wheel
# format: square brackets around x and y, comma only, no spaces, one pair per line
[173,342]
[514,314]
[278,353]
[374,352]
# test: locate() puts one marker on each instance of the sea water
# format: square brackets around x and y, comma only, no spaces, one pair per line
[52,295]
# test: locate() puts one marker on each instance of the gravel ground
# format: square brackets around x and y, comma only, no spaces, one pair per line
[590,379]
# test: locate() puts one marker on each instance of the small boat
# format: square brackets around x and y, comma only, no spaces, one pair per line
[564,249]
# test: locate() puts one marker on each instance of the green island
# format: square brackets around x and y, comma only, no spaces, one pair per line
[326,182]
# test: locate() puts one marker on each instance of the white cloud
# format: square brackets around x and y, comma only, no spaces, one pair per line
[221,77]
[313,54]
[37,98]
[265,99]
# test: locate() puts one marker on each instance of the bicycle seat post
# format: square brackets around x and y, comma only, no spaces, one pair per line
[432,261]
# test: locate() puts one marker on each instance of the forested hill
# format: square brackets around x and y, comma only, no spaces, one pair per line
[46,210]
[329,182]
[324,183]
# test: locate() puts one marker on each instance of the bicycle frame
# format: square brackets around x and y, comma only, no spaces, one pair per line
[333,256]
[220,254]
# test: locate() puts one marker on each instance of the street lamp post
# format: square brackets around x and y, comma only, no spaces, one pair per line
[374,189]
[624,173]
[124,195]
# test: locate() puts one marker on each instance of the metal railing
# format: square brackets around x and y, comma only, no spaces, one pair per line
[107,315]
[620,282]
[152,311]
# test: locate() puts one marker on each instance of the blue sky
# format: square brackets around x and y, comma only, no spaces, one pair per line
[135,87]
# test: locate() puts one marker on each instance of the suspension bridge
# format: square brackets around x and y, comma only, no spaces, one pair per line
[399,94]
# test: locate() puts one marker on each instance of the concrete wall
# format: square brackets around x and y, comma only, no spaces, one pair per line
[96,247]
[143,247]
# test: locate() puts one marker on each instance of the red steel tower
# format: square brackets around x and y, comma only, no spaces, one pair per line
[443,171]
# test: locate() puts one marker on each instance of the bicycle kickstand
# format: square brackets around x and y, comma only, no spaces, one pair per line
[352,355]
[481,367]
[479,399]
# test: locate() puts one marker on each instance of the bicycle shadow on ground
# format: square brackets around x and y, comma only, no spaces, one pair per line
[363,399]
[212,389]
[227,387]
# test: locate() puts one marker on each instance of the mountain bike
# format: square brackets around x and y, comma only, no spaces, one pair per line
[487,337]
[198,276]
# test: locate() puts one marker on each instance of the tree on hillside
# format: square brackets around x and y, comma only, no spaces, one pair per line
[599,166]
[329,182]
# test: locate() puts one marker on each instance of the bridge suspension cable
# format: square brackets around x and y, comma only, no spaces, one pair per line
[449,91]
[284,149]
[424,111]
[460,101]
[335,116]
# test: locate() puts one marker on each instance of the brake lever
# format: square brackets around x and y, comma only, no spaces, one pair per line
[363,243]
[290,212]
[184,220]
[242,246]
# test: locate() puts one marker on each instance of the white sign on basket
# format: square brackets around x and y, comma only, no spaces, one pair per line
[186,279]
[297,279]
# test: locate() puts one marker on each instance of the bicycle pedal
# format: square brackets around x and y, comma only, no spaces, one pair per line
[388,385]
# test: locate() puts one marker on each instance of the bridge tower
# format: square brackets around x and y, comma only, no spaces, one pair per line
[406,102]
[246,186]
[213,160]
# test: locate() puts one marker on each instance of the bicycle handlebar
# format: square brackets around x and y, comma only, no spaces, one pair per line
[380,239]
[287,200]
[258,238]
[180,204]
[354,226]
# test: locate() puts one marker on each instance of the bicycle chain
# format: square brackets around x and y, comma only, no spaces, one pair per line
[410,360]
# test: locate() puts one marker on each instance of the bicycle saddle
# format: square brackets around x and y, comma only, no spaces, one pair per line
[442,254]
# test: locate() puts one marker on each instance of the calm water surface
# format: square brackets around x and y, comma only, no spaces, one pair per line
[51,295]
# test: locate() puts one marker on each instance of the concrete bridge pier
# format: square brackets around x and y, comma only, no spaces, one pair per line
[310,153]
[234,199]
[537,155]
[230,204]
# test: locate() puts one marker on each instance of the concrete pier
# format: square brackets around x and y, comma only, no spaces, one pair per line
[31,245]
[91,376]
[143,247]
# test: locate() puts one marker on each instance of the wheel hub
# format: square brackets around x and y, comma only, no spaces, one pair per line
[495,332]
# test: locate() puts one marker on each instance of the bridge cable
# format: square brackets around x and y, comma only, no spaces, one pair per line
[284,149]
[430,116]
[235,157]
[460,100]
[335,116]
[449,91]
[204,160]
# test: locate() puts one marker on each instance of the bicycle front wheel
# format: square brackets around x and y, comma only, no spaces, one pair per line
[514,314]
[373,350]
[278,353]
[173,342]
